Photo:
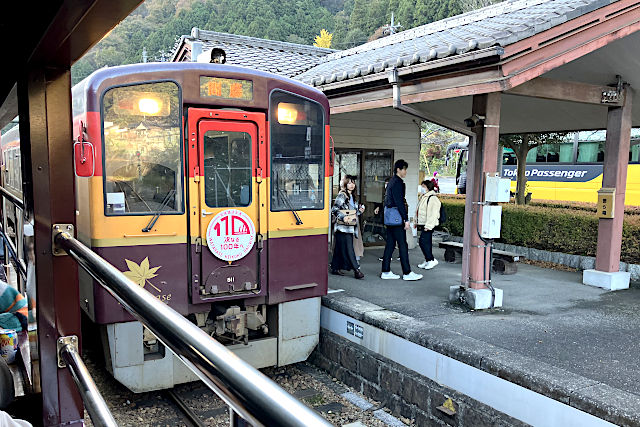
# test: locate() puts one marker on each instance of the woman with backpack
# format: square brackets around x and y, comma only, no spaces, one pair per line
[428,217]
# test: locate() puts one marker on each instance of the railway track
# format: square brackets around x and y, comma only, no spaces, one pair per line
[194,404]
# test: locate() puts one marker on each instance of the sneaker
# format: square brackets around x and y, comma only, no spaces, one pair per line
[389,275]
[412,276]
[431,264]
[380,259]
[423,265]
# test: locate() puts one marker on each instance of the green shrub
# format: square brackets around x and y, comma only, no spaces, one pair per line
[552,227]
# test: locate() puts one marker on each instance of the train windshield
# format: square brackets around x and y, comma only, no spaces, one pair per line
[297,153]
[142,150]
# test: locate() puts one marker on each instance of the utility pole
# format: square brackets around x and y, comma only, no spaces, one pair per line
[393,28]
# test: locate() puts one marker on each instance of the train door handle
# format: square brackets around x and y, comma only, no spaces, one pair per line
[205,213]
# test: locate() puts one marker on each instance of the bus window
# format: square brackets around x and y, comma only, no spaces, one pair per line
[509,157]
[551,153]
[591,152]
[142,151]
[297,153]
[634,152]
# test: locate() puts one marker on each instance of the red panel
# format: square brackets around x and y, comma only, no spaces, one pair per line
[297,261]
[94,136]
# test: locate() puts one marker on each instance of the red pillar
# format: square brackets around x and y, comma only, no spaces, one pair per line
[616,159]
[483,153]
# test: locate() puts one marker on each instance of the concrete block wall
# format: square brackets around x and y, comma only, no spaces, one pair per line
[383,128]
[402,390]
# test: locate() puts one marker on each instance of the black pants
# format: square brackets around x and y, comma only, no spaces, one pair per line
[426,244]
[344,258]
[396,234]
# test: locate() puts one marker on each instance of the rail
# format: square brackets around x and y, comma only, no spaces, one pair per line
[93,401]
[248,393]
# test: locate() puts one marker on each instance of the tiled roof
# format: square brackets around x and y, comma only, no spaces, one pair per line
[285,59]
[501,24]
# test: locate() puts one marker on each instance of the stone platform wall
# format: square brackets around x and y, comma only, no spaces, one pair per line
[407,393]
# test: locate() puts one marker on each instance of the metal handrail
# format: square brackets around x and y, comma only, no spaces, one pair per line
[248,392]
[93,401]
[13,199]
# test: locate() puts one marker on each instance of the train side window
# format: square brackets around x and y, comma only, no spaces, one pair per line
[297,152]
[227,169]
[142,149]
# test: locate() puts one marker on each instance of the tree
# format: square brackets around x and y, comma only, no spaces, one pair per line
[521,144]
[324,39]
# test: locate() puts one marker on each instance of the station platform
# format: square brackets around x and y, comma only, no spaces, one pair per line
[557,353]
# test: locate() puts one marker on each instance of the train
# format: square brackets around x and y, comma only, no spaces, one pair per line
[208,185]
[568,170]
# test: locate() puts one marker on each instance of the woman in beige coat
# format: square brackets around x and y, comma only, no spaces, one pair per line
[428,217]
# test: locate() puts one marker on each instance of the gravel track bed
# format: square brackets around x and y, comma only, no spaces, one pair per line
[305,381]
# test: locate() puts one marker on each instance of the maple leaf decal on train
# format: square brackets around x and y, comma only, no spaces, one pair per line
[141,274]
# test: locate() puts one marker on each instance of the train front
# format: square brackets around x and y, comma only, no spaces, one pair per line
[208,186]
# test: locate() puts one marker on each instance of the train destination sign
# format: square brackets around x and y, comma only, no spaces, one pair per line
[215,87]
[231,235]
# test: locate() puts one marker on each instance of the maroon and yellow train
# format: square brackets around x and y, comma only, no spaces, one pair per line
[208,186]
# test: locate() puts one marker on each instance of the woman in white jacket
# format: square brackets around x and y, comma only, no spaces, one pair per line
[428,217]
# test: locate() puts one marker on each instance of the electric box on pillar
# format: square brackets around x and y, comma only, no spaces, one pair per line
[606,199]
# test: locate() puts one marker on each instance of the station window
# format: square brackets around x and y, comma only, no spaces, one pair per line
[297,152]
[142,149]
[227,168]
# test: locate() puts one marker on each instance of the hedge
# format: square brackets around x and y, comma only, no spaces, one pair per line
[552,227]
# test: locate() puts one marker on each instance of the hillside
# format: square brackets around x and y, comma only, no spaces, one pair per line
[157,24]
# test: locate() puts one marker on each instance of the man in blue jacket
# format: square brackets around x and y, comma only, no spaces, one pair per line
[394,197]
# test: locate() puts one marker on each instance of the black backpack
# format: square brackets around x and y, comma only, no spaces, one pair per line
[443,212]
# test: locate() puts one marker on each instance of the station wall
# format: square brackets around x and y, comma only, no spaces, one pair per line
[383,128]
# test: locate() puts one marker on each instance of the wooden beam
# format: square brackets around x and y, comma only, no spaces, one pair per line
[563,91]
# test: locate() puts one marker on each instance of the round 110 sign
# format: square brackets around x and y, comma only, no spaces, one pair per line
[231,235]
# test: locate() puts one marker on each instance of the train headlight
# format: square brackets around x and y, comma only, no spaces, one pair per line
[291,114]
[149,106]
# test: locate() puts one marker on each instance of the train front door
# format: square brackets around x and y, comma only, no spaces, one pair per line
[226,196]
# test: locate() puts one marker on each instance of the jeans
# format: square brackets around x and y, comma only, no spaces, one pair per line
[426,244]
[396,234]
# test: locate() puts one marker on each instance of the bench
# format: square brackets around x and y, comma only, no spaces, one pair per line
[503,262]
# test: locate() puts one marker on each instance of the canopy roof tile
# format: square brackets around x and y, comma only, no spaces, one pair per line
[501,24]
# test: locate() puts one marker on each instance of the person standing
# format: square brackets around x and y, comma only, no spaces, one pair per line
[396,234]
[344,257]
[428,217]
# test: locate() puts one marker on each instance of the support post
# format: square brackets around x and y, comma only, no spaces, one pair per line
[46,123]
[616,159]
[483,153]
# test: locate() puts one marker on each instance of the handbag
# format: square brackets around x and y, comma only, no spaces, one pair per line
[392,216]
[349,217]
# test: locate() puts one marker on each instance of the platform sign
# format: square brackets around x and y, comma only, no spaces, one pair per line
[231,235]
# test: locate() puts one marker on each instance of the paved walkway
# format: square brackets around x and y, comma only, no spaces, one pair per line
[548,316]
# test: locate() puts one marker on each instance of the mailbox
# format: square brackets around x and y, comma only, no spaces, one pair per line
[606,199]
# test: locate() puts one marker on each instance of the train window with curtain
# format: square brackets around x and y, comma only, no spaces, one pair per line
[142,149]
[227,169]
[297,152]
[634,151]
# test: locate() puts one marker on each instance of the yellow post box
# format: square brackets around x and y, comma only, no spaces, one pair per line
[606,199]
